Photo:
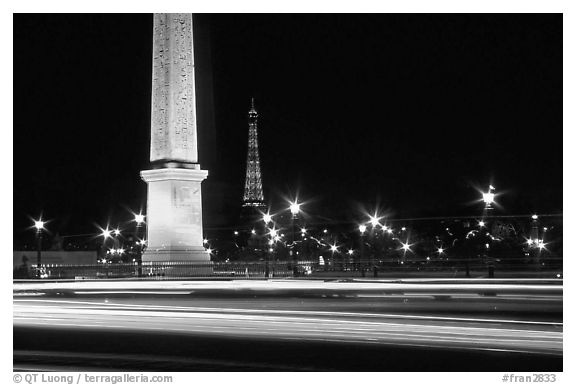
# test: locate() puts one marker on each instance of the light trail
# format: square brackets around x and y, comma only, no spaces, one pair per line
[429,331]
[165,308]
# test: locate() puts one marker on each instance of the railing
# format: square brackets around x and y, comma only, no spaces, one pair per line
[161,270]
[330,267]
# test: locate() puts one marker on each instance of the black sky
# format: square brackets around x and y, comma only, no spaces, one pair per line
[406,111]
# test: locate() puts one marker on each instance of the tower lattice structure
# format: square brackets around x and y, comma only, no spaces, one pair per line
[253,194]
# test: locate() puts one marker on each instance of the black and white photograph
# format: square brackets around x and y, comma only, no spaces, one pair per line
[287,192]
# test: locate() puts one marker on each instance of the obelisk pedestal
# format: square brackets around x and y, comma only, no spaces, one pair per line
[175,215]
[174,210]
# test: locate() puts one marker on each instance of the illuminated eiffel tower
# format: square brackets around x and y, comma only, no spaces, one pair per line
[253,201]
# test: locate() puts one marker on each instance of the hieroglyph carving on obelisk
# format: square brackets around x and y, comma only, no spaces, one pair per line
[174,210]
[173,90]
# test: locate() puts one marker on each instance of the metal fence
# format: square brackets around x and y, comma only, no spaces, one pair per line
[336,267]
[163,270]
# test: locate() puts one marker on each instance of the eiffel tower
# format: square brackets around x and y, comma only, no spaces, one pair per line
[253,201]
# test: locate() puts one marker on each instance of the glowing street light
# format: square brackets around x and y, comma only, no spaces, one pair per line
[488,197]
[273,233]
[139,218]
[39,225]
[295,208]
[116,232]
[106,233]
[333,248]
[267,218]
[374,221]
[440,250]
[362,229]
[350,252]
[405,247]
[534,216]
[481,223]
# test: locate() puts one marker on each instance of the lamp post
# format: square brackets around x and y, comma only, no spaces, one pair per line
[294,209]
[488,198]
[267,218]
[362,229]
[39,225]
[105,234]
[139,218]
[116,240]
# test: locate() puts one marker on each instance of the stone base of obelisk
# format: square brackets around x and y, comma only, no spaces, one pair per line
[174,216]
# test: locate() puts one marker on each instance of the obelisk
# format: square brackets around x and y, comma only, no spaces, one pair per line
[174,210]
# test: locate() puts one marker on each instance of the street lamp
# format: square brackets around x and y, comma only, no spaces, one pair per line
[488,197]
[139,218]
[105,234]
[334,249]
[362,229]
[405,247]
[267,218]
[39,225]
[294,209]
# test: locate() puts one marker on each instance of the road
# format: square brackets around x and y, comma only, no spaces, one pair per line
[290,325]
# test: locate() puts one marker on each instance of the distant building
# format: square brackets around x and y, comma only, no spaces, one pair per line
[59,257]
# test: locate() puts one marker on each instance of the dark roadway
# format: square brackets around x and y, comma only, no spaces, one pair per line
[444,325]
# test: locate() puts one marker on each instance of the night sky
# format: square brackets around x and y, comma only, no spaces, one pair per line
[410,113]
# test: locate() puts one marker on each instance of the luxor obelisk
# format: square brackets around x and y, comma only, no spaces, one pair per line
[174,212]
